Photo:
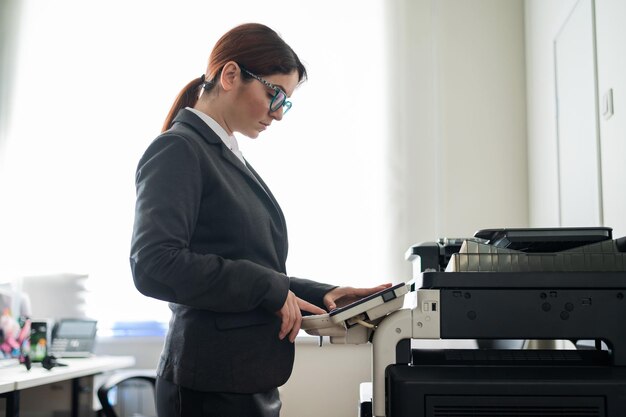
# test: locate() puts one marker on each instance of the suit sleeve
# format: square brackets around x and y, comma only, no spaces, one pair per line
[310,291]
[169,191]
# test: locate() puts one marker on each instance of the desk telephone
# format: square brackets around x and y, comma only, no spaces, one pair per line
[73,338]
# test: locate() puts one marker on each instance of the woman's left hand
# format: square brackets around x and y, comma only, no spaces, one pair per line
[342,296]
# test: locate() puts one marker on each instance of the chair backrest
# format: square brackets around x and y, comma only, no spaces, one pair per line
[128,392]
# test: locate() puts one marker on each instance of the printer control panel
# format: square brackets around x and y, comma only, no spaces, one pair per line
[356,318]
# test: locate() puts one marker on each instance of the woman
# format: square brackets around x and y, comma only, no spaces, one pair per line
[210,238]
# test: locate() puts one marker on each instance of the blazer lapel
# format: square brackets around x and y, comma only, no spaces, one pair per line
[266,189]
[232,158]
[187,117]
[192,120]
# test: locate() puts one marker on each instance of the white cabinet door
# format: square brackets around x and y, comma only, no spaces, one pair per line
[611,55]
[577,122]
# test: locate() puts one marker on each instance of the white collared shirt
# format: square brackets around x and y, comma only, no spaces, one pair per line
[229,140]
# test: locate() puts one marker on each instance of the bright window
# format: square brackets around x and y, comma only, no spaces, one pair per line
[95,80]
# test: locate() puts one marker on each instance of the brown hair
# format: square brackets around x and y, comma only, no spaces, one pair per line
[254,46]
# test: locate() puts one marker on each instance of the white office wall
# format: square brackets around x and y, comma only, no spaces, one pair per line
[543,20]
[482,117]
[458,119]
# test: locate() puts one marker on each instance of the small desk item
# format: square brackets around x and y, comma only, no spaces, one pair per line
[15,379]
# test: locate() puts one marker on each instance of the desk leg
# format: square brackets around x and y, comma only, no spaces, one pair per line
[75,396]
[13,404]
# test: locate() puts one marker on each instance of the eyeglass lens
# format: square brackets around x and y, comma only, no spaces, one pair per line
[278,101]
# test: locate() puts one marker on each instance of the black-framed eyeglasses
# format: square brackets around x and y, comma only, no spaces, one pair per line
[280,97]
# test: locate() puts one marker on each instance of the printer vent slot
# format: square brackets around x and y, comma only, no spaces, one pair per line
[518,406]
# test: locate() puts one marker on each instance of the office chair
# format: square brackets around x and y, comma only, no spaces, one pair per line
[128,393]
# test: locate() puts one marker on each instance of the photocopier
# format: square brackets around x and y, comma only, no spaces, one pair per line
[516,293]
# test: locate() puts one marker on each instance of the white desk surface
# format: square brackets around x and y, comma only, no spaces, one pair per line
[6,386]
[18,377]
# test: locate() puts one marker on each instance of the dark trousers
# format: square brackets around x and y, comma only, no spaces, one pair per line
[175,401]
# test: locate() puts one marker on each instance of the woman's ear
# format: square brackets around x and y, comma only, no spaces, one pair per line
[230,75]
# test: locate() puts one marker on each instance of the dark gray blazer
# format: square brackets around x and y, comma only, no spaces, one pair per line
[210,238]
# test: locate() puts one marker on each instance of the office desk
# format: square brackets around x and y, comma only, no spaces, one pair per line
[6,386]
[15,379]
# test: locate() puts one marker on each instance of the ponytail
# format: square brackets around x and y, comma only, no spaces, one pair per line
[187,97]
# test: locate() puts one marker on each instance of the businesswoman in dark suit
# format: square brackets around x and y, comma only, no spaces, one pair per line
[210,238]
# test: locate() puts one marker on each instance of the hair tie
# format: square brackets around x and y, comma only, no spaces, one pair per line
[205,84]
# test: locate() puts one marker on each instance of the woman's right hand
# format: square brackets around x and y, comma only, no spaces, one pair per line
[291,315]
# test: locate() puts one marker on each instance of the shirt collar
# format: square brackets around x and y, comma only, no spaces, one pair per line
[229,140]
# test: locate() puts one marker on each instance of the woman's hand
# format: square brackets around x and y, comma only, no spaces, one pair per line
[342,296]
[291,315]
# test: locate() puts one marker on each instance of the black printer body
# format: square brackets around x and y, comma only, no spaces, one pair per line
[518,285]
